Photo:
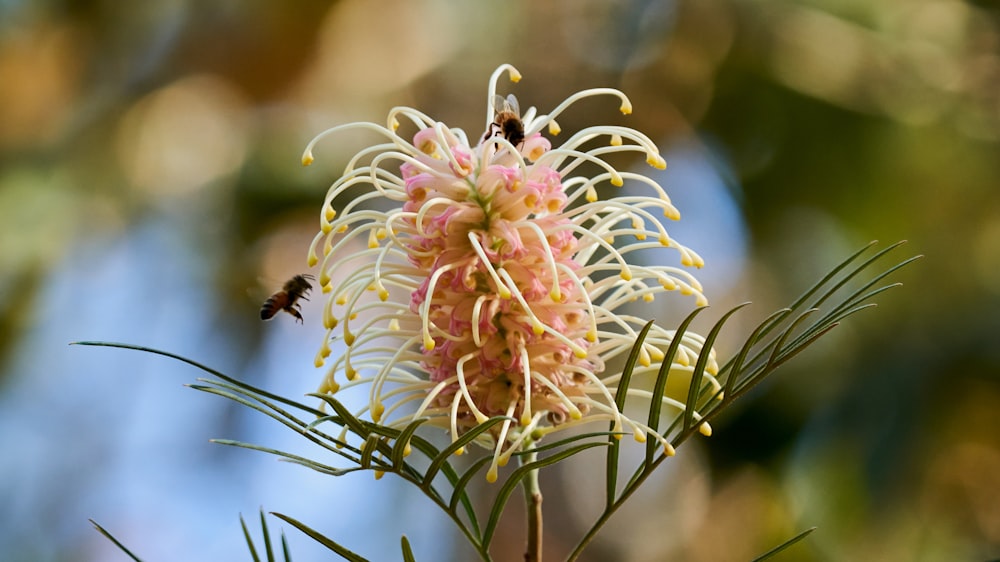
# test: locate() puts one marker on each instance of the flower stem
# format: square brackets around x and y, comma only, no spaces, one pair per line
[533,505]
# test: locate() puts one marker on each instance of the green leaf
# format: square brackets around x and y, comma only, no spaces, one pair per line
[659,387]
[407,551]
[515,479]
[111,538]
[318,467]
[442,458]
[371,445]
[784,545]
[249,539]
[621,394]
[267,536]
[322,539]
[399,449]
[694,390]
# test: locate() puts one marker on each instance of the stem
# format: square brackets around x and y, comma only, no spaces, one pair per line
[533,505]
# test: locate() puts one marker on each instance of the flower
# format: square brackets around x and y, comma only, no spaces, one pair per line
[511,276]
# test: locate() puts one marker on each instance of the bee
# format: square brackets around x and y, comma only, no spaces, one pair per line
[287,298]
[507,120]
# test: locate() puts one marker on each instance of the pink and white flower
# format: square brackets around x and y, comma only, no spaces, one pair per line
[509,284]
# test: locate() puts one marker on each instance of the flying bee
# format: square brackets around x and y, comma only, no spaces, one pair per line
[287,298]
[507,121]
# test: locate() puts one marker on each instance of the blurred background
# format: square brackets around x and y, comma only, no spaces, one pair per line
[151,193]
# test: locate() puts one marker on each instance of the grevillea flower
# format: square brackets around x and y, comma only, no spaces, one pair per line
[509,272]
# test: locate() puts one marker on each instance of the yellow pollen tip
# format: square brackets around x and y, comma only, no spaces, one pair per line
[377,412]
[664,241]
[394,325]
[591,195]
[700,300]
[379,474]
[491,475]
[617,181]
[626,275]
[687,261]
[313,260]
[318,362]
[504,293]
[502,461]
[648,297]
[554,128]
[394,124]
[342,229]
[348,338]
[326,227]
[332,387]
[324,351]
[525,419]
[460,451]
[640,237]
[537,328]
[327,288]
[616,140]
[575,413]
[555,294]
[330,213]
[350,373]
[515,76]
[705,429]
[656,161]
[428,343]
[617,436]
[639,436]
[307,158]
[580,353]
[383,294]
[669,450]
[591,336]
[407,450]
[324,279]
[626,107]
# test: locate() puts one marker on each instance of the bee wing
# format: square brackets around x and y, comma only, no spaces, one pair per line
[512,105]
[497,103]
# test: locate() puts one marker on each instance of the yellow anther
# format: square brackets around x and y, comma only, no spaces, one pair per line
[705,429]
[491,475]
[377,410]
[554,128]
[307,158]
[616,140]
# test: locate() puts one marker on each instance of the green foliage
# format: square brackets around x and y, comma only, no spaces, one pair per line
[368,446]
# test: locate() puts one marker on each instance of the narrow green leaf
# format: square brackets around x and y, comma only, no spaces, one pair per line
[694,390]
[734,366]
[442,458]
[403,441]
[784,545]
[285,550]
[318,467]
[633,357]
[371,445]
[656,404]
[621,394]
[352,423]
[322,539]
[111,538]
[459,490]
[515,479]
[407,551]
[249,539]
[267,536]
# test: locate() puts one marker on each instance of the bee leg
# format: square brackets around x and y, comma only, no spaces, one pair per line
[296,314]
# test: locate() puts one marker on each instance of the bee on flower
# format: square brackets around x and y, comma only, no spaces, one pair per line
[499,276]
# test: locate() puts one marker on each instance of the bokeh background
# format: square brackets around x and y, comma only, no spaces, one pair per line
[151,193]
